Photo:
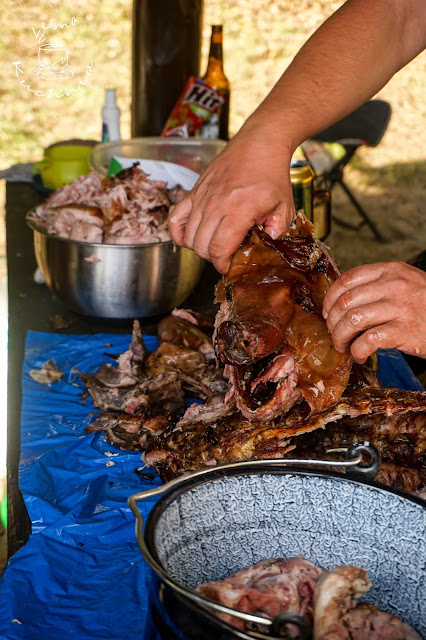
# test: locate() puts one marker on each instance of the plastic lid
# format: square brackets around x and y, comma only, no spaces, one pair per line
[110,99]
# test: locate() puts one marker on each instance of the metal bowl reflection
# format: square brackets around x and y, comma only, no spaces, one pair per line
[116,281]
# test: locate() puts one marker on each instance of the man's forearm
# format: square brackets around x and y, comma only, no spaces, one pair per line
[351,57]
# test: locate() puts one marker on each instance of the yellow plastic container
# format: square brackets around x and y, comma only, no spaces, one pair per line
[62,164]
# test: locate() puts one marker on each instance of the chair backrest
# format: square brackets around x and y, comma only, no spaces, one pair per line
[365,125]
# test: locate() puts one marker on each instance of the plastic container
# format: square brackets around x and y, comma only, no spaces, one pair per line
[62,164]
[110,117]
[190,153]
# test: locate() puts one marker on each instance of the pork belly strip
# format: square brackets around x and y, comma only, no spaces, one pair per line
[271,306]
[266,589]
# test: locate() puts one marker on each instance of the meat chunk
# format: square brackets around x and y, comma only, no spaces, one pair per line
[338,617]
[336,593]
[182,332]
[75,221]
[270,329]
[266,589]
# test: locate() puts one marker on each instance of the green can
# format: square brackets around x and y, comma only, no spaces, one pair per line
[302,179]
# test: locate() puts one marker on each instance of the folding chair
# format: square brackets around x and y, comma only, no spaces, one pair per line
[364,126]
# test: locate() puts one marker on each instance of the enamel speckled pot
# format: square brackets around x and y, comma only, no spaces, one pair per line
[219,520]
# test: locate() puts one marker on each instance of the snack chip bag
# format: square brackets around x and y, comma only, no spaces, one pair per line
[195,106]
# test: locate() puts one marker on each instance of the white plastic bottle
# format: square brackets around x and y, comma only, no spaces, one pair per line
[110,117]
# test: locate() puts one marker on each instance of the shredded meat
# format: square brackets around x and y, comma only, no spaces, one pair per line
[128,208]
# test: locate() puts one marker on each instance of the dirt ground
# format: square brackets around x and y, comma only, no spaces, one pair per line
[260,39]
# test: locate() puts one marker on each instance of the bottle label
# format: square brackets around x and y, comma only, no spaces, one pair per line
[195,106]
[105,134]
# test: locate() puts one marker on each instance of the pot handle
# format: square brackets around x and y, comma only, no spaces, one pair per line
[354,457]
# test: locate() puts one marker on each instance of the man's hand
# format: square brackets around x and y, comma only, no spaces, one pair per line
[247,184]
[378,306]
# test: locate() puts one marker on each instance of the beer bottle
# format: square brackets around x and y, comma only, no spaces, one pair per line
[215,76]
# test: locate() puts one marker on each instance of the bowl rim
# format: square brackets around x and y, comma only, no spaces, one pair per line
[32,224]
[154,141]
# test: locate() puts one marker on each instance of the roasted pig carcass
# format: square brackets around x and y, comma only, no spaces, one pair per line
[270,331]
[374,414]
[266,589]
[337,616]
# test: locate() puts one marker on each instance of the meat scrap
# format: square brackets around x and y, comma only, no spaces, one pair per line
[270,331]
[125,431]
[326,599]
[266,589]
[144,394]
[48,374]
[127,208]
[338,617]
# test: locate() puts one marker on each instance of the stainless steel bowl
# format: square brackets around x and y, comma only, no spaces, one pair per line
[116,281]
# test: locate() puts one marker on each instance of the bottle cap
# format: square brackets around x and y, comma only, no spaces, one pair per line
[110,99]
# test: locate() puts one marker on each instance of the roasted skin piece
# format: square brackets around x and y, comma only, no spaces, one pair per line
[270,330]
[182,332]
[144,394]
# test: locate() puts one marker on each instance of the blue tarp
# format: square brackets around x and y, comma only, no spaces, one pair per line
[81,574]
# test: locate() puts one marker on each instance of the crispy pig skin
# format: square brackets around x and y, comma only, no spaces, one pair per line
[392,419]
[272,300]
[228,439]
[180,331]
